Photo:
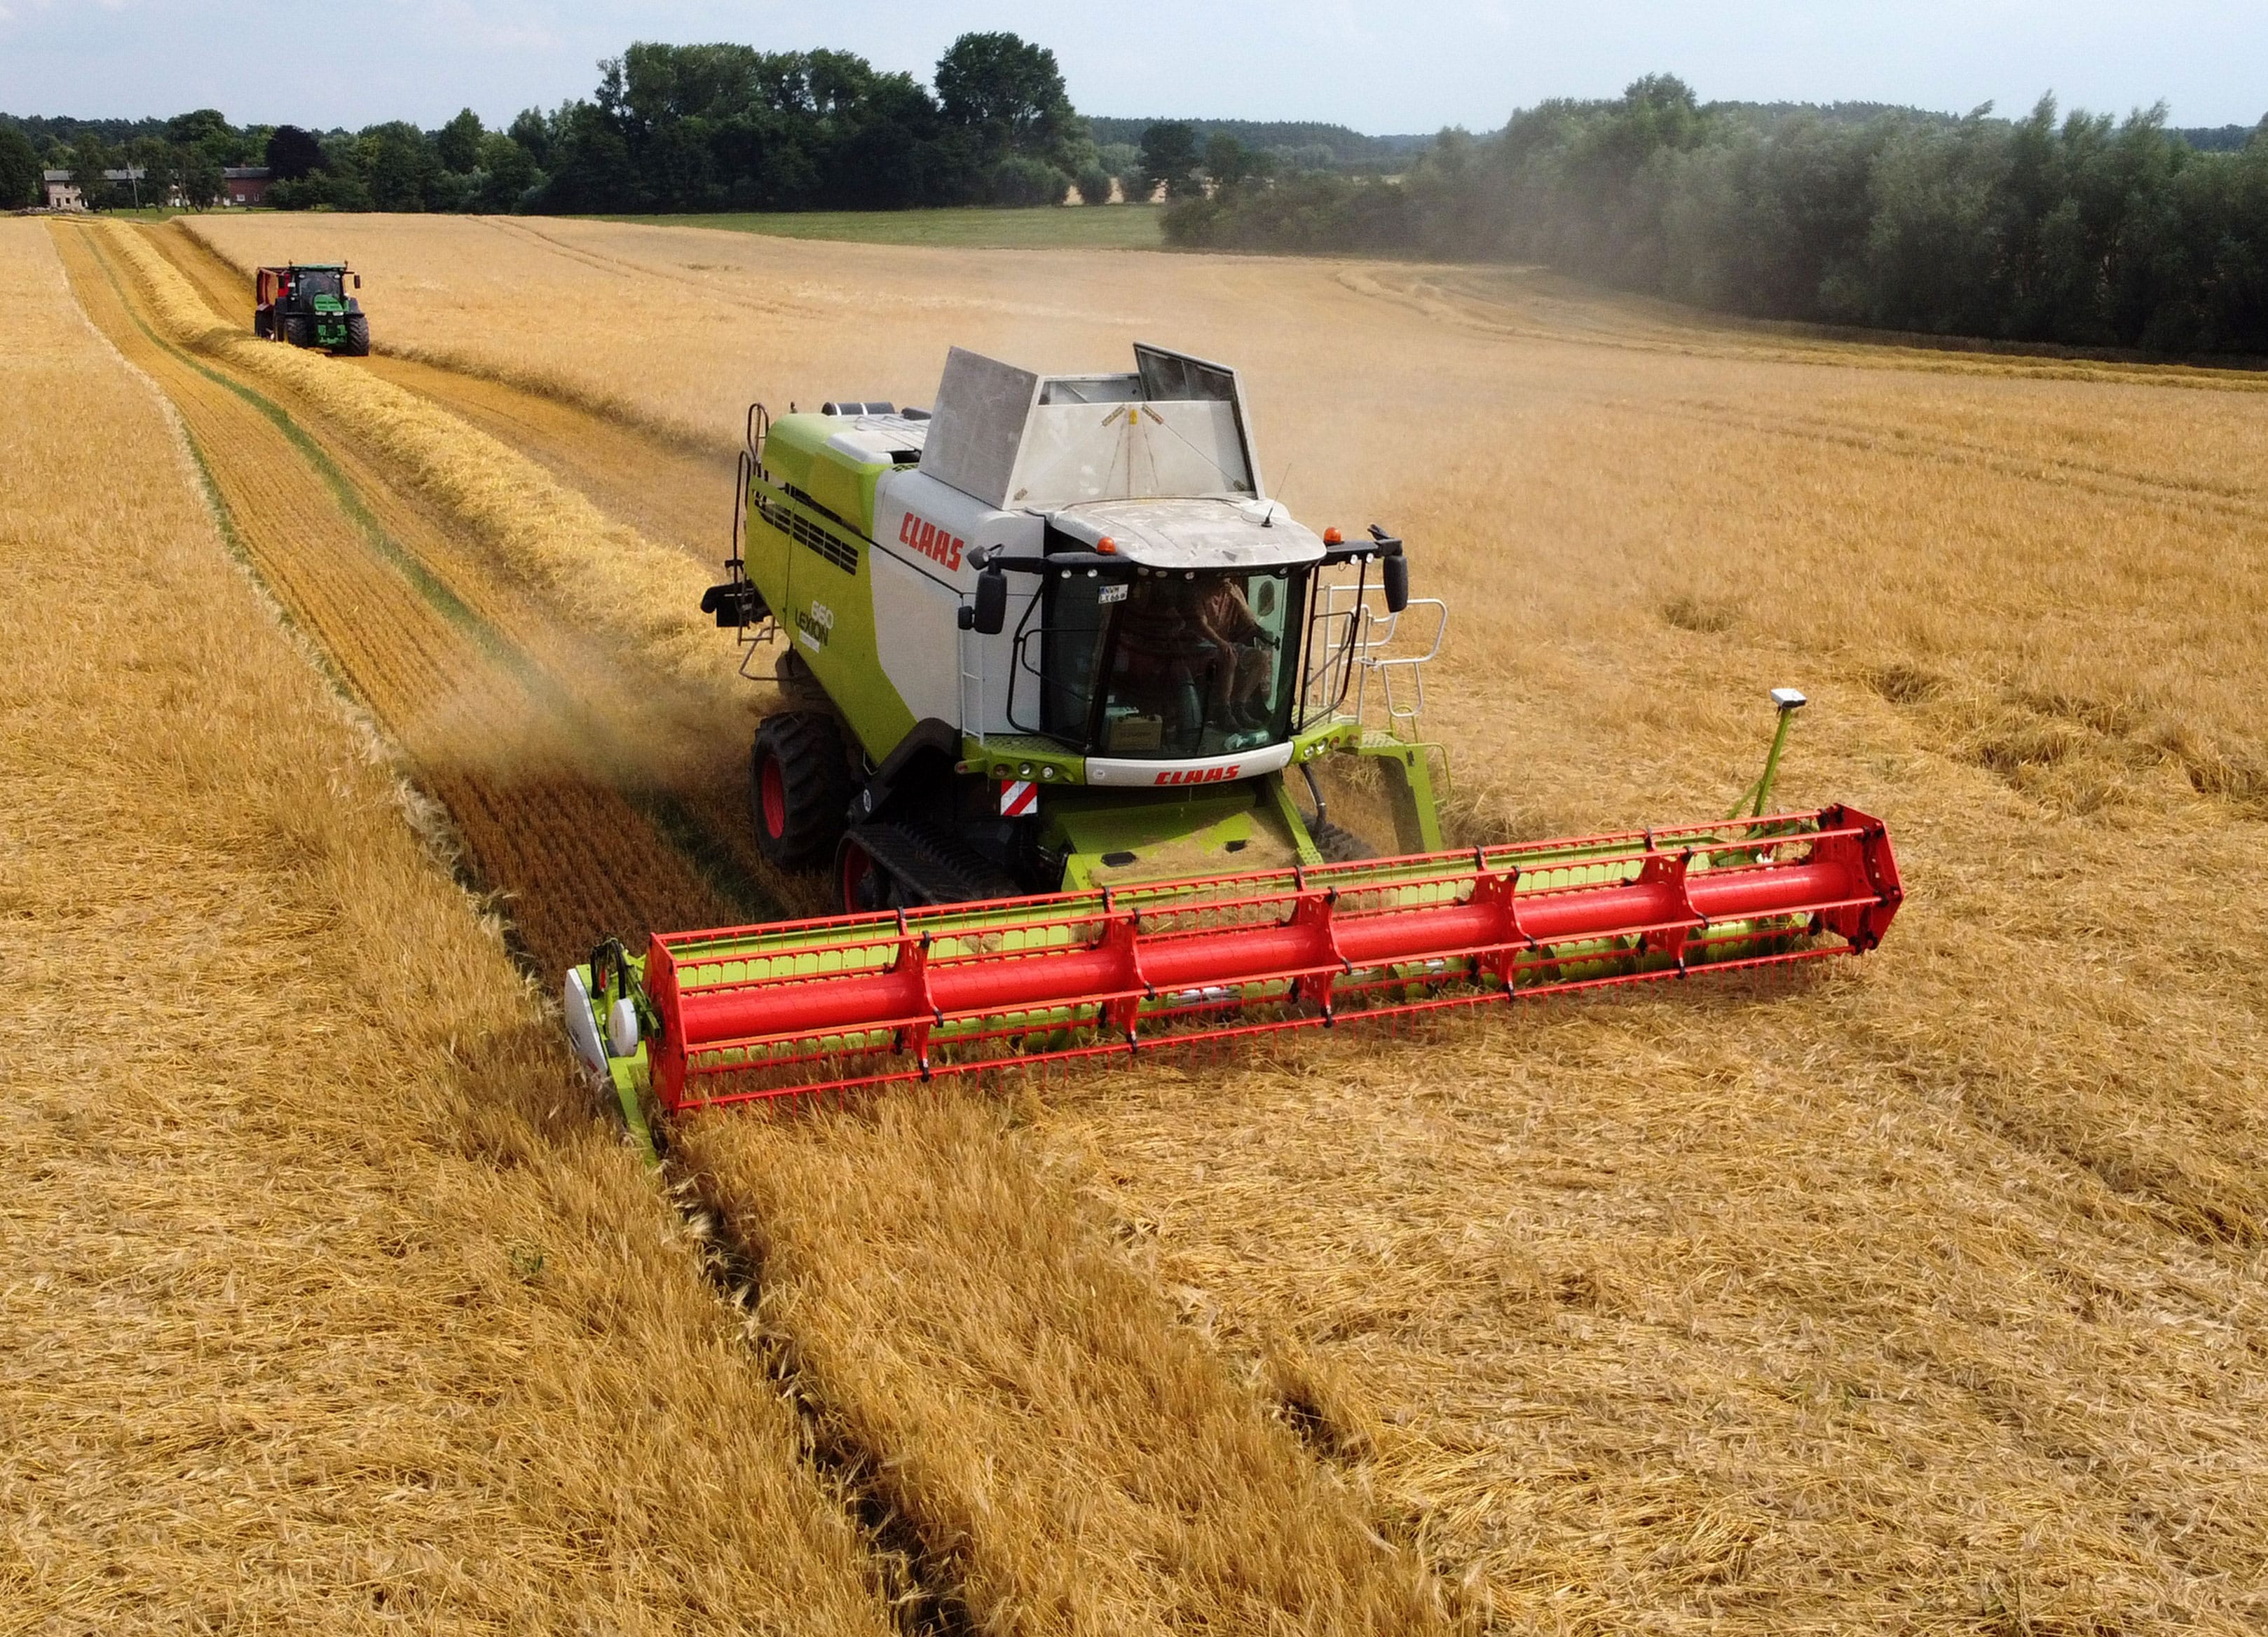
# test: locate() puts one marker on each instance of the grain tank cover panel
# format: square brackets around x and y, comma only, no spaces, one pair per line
[978,426]
[1195,534]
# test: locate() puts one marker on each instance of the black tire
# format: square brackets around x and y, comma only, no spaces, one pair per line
[1337,845]
[263,324]
[861,883]
[800,788]
[357,337]
[297,329]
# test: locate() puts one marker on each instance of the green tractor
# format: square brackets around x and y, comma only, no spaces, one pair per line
[306,304]
[1055,635]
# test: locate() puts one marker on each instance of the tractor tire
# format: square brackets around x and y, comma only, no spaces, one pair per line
[263,324]
[1337,845]
[800,788]
[358,344]
[297,329]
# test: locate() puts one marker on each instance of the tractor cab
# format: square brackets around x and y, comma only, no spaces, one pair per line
[1187,646]
[306,305]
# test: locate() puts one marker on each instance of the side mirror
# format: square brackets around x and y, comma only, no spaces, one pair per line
[991,614]
[357,281]
[1395,571]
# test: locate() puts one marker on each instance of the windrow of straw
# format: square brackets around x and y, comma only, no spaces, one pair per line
[601,573]
[569,776]
[323,1303]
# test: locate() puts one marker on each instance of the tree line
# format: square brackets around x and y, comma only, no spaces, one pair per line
[668,129]
[2078,230]
[186,153]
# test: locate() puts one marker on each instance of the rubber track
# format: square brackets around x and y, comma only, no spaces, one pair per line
[942,868]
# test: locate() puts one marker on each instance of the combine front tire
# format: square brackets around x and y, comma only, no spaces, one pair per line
[357,337]
[800,788]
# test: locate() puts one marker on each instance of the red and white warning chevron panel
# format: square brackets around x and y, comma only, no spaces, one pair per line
[1019,799]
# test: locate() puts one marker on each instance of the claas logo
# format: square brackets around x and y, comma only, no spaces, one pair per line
[932,541]
[1197,775]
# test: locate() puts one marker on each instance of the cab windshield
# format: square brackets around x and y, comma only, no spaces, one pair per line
[1169,665]
[314,283]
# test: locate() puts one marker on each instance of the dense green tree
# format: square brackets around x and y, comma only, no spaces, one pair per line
[507,172]
[1093,184]
[158,165]
[1169,158]
[1009,95]
[292,152]
[532,132]
[89,158]
[200,176]
[341,181]
[207,131]
[591,168]
[2080,229]
[1019,180]
[458,143]
[19,171]
[401,165]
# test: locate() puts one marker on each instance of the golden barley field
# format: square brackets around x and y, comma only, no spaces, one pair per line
[1926,1294]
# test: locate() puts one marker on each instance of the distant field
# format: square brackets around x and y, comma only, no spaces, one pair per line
[1112,227]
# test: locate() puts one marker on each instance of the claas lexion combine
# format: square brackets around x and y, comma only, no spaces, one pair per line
[1056,673]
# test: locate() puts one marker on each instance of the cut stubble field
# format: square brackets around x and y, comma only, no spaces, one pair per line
[1924,1295]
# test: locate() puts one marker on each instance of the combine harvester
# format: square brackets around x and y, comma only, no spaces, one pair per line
[1051,657]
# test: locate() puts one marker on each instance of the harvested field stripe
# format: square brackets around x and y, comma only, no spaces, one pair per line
[411,569]
[527,840]
[672,818]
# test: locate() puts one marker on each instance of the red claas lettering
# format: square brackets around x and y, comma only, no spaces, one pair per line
[931,540]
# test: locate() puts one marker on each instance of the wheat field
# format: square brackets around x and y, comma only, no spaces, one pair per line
[1926,1295]
[323,1308]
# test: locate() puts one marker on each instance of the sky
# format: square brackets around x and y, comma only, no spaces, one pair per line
[1379,67]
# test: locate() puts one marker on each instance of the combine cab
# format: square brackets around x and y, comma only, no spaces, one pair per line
[306,304]
[1058,677]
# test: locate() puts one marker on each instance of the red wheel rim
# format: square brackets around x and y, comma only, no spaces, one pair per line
[771,792]
[858,866]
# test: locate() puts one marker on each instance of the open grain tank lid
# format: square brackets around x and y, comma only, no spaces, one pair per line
[1175,427]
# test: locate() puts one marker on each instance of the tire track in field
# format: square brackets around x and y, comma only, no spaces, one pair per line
[529,739]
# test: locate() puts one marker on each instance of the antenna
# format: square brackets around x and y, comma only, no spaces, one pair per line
[1285,483]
